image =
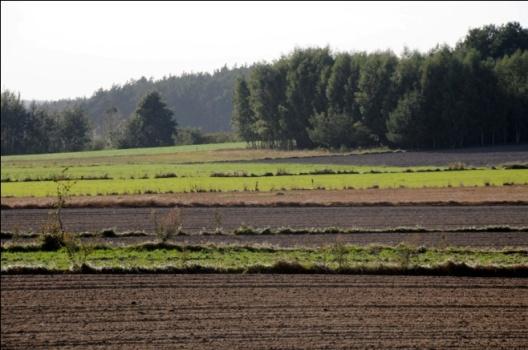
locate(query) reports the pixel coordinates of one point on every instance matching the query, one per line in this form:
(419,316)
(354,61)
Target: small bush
(77,251)
(456,166)
(51,242)
(167,225)
(282,172)
(108,233)
(516,166)
(165,175)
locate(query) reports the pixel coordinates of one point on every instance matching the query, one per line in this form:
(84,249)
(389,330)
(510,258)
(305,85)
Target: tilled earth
(230,218)
(262,312)
(480,156)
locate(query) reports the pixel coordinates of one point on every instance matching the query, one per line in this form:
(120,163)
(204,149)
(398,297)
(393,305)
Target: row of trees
(35,130)
(474,94)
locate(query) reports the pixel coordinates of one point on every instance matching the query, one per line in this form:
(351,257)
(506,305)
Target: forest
(473,94)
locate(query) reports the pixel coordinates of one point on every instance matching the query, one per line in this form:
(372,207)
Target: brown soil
(262,312)
(401,196)
(197,219)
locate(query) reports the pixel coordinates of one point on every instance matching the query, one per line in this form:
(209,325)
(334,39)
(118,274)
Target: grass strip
(249,230)
(340,258)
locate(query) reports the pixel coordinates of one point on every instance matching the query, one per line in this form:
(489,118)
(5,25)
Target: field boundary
(287,267)
(163,204)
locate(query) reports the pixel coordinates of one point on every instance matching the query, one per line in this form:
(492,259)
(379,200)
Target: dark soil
(197,219)
(262,312)
(485,156)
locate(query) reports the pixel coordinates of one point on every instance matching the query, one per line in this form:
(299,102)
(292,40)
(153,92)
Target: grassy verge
(158,257)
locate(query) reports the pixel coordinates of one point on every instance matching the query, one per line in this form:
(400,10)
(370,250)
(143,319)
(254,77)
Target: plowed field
(196,219)
(262,312)
(485,156)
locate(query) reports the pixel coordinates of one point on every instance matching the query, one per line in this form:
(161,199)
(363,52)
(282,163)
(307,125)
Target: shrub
(456,166)
(167,225)
(76,251)
(165,175)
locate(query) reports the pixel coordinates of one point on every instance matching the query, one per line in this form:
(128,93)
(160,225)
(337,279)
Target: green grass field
(159,155)
(136,171)
(198,169)
(125,152)
(243,258)
(497,177)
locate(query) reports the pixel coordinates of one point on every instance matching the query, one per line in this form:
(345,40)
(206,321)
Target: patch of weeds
(76,251)
(456,166)
(165,175)
(516,166)
(168,224)
(339,252)
(218,221)
(108,233)
(6,235)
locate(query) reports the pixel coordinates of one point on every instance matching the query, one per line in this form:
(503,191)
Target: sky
(54,50)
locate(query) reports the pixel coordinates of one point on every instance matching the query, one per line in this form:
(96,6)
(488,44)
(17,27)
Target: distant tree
(266,100)
(376,96)
(404,127)
(44,129)
(190,136)
(74,130)
(496,41)
(243,118)
(13,118)
(512,74)
(307,76)
(339,130)
(151,126)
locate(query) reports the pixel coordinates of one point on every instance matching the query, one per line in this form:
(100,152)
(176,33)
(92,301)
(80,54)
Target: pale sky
(67,50)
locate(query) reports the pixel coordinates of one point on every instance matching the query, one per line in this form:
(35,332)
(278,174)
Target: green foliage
(167,225)
(496,41)
(472,95)
(35,130)
(336,131)
(403,125)
(74,130)
(242,258)
(152,125)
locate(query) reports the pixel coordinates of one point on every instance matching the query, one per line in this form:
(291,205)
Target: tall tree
(376,96)
(74,130)
(152,125)
(243,118)
(496,41)
(307,75)
(512,74)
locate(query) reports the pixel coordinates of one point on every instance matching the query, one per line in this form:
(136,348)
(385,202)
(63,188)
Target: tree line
(34,129)
(198,100)
(473,94)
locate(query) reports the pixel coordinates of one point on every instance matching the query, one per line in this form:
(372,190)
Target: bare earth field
(399,196)
(262,312)
(197,219)
(485,156)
